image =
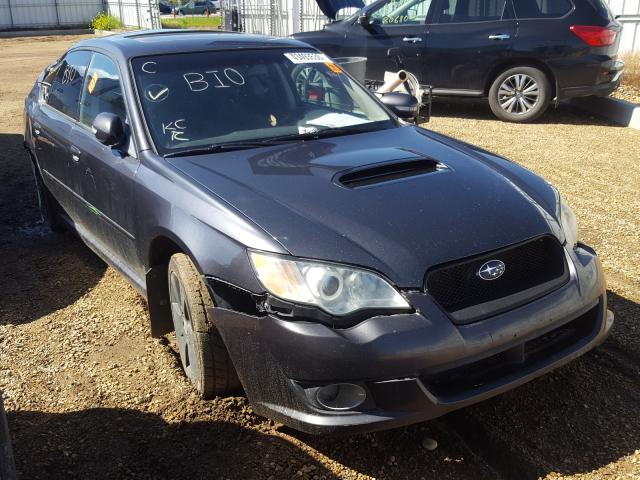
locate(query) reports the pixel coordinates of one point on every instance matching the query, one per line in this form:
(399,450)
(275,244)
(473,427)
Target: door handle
(499,36)
(75,153)
(412,39)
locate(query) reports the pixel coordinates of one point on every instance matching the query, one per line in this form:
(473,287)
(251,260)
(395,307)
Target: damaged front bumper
(411,367)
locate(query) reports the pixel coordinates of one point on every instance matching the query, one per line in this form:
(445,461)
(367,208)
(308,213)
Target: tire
(7,464)
(203,355)
(520,94)
(50,209)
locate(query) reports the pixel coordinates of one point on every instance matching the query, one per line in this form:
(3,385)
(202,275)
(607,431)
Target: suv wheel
(520,94)
(203,354)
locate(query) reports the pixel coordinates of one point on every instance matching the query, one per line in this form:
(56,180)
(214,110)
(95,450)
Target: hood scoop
(371,175)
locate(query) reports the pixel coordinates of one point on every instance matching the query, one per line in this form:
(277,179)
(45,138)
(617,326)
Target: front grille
(517,361)
(532,269)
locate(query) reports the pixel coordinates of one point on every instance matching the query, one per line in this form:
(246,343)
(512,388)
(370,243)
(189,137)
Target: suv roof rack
(149,33)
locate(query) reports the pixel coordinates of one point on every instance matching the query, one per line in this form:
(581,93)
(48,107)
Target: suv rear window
(541,8)
(463,11)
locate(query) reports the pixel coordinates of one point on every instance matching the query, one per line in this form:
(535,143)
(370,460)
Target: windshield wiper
(266,142)
(325,132)
(219,147)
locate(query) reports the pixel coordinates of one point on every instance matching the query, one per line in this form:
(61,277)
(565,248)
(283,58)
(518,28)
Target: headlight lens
(335,289)
(569,223)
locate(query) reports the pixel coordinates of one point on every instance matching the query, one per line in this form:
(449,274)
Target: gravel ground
(90,395)
(628,93)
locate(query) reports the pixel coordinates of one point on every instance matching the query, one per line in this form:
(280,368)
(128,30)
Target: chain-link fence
(283,17)
(628,13)
(54,14)
(135,13)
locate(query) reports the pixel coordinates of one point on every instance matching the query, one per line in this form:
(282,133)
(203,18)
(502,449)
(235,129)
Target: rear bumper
(413,367)
(607,79)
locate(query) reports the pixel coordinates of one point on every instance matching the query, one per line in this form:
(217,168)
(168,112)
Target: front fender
(180,215)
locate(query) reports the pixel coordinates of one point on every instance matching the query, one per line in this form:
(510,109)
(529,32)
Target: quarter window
(102,91)
(541,8)
(65,82)
(401,12)
(462,11)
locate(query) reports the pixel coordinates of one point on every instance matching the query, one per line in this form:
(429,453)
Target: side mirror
(363,20)
(403,105)
(109,129)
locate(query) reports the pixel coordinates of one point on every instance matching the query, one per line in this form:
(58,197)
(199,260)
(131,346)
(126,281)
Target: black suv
(521,54)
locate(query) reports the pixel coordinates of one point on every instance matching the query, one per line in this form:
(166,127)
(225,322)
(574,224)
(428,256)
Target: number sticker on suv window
(307,57)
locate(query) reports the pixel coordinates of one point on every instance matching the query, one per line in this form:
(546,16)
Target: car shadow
(110,443)
(41,271)
(574,420)
(478,109)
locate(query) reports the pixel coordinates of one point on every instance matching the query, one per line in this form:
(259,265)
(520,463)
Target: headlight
(335,289)
(568,223)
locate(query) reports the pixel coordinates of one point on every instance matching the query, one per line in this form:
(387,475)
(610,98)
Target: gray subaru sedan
(349,270)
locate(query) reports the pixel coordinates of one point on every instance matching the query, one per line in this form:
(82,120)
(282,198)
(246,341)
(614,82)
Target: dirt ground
(91,396)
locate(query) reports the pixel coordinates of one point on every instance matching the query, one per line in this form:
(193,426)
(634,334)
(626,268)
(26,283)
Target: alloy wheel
(185,335)
(518,94)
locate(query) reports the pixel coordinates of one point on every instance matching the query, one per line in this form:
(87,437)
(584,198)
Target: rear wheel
(7,465)
(520,94)
(203,354)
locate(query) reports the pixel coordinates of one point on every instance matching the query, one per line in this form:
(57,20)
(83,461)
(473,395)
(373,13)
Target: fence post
(55,5)
(120,10)
(273,5)
(138,13)
(296,24)
(10,13)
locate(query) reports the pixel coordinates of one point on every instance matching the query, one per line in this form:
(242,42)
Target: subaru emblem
(491,270)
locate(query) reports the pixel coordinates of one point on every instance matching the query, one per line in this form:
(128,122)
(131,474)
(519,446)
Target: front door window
(102,91)
(401,12)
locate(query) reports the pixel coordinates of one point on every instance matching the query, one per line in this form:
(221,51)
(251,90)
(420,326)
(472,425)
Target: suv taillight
(594,36)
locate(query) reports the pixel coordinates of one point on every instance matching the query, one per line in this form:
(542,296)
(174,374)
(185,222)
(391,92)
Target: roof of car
(154,42)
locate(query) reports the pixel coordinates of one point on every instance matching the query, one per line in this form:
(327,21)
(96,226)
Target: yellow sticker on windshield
(333,67)
(273,121)
(92,83)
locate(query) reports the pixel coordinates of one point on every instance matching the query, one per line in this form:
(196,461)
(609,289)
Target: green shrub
(213,21)
(104,21)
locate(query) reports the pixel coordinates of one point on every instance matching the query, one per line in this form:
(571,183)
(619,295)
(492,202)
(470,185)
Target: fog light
(609,320)
(341,396)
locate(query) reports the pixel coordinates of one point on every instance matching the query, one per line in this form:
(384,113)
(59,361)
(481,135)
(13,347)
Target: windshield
(198,100)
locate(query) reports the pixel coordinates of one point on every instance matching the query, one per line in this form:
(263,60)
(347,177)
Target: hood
(331,7)
(429,199)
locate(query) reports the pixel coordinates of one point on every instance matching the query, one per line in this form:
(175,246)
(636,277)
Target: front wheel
(203,354)
(520,94)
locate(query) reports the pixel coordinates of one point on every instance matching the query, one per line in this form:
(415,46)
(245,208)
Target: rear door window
(542,8)
(464,11)
(65,83)
(102,91)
